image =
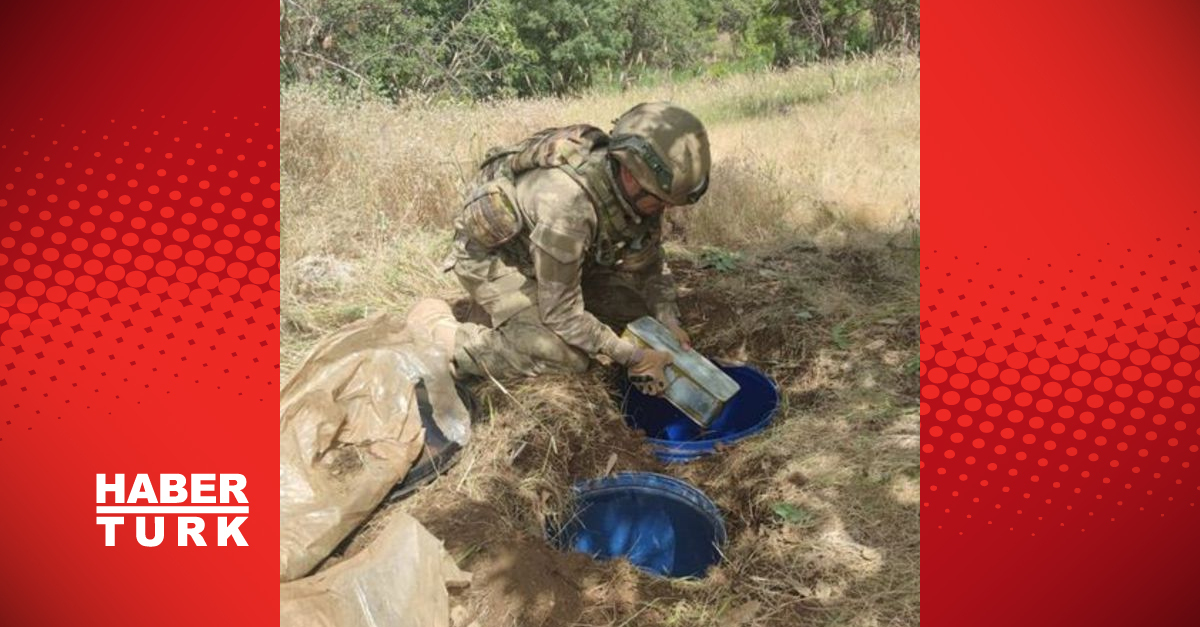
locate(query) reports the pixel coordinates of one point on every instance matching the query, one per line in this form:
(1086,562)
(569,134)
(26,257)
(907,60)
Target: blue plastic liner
(676,438)
(661,524)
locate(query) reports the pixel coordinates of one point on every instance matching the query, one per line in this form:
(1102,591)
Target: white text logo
(210,494)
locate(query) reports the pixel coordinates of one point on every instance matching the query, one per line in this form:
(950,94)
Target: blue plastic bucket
(676,438)
(661,524)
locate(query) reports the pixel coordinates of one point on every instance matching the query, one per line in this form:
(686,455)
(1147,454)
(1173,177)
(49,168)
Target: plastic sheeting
(398,580)
(349,430)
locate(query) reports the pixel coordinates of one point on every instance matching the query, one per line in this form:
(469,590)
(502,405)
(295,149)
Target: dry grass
(816,187)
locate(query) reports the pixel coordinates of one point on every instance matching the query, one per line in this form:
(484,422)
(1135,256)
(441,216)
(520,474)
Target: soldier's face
(642,200)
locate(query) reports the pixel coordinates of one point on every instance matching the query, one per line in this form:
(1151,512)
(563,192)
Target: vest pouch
(491,217)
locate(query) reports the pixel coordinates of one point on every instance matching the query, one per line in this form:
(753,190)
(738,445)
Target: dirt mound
(821,517)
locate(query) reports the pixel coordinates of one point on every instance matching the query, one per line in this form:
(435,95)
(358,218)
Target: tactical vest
(493,217)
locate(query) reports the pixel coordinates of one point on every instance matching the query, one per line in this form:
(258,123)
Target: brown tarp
(349,430)
(398,580)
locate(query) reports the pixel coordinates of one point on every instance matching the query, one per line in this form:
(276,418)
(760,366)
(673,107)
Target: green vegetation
(719,259)
(793,515)
(482,49)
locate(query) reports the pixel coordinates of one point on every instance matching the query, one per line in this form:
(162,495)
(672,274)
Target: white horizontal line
(172,509)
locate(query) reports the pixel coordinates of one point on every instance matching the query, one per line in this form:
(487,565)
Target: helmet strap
(641,194)
(647,155)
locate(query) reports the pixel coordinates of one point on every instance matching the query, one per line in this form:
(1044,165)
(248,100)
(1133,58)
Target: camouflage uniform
(585,260)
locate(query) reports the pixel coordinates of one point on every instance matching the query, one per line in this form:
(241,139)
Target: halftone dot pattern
(125,273)
(1061,398)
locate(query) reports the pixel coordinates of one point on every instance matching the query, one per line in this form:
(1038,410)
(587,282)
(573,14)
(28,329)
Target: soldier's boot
(431,320)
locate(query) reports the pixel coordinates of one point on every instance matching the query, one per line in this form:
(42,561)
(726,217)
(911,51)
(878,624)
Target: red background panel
(139,276)
(1060,338)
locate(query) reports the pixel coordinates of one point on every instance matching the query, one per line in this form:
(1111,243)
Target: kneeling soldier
(562,237)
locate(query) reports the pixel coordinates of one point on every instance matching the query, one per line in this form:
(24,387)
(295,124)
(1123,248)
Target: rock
(322,273)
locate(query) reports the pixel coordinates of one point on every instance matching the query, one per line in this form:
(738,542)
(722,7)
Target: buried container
(660,524)
(677,438)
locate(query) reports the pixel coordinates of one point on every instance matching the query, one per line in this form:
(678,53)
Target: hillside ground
(802,260)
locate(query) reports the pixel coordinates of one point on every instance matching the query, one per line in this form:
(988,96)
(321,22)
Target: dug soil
(821,520)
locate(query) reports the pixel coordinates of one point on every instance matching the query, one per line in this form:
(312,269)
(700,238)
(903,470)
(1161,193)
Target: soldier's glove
(646,371)
(676,329)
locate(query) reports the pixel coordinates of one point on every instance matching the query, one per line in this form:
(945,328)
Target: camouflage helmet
(665,148)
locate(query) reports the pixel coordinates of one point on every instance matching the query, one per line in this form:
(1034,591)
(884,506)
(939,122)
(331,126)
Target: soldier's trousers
(520,345)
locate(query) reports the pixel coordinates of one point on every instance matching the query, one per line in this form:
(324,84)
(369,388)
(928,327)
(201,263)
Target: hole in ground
(662,525)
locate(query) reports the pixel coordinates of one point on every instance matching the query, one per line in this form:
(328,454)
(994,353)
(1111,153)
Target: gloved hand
(676,329)
(646,371)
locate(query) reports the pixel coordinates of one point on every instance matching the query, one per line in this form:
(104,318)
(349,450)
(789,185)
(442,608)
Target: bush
(482,49)
(572,40)
(835,28)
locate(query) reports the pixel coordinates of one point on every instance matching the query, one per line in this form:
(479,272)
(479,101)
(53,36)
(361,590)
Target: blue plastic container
(661,524)
(677,438)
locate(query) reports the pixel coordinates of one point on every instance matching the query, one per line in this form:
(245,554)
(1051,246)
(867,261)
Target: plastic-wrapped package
(349,430)
(398,580)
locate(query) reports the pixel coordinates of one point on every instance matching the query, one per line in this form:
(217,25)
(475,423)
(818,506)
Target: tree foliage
(502,48)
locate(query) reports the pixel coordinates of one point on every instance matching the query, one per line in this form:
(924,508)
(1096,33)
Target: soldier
(562,237)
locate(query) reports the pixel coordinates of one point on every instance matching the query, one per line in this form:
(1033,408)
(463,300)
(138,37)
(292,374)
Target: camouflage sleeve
(558,264)
(658,286)
(565,224)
